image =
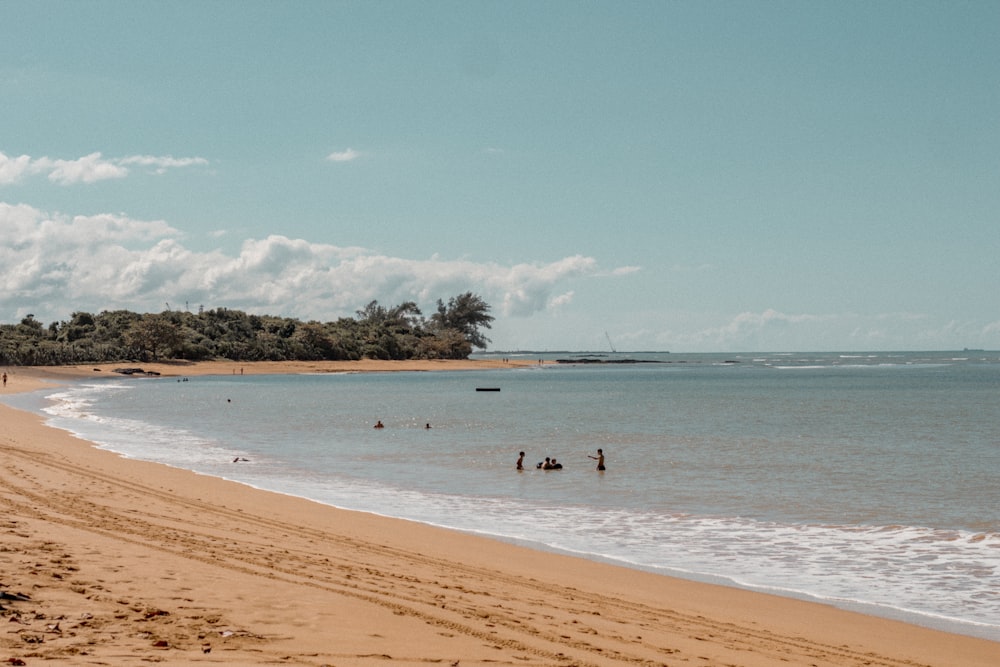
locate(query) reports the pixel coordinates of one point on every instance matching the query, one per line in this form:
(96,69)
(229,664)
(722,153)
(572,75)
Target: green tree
(152,334)
(389,333)
(404,316)
(466,314)
(112,325)
(447,344)
(31,327)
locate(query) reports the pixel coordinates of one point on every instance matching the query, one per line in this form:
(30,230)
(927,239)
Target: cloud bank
(87,169)
(57,264)
(771,330)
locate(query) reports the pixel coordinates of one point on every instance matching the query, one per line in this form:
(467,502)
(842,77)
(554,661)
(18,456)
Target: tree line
(376,332)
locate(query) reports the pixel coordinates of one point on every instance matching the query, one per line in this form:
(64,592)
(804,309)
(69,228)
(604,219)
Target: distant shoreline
(197,368)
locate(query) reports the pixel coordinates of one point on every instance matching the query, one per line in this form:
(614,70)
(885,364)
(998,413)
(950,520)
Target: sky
(682,176)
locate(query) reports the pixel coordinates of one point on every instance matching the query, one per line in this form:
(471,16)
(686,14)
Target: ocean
(869,481)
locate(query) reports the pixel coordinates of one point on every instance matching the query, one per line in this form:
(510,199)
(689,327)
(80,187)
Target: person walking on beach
(599,458)
(5,379)
(520,461)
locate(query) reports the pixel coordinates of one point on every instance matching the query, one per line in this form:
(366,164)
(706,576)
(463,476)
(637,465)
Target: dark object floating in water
(487,388)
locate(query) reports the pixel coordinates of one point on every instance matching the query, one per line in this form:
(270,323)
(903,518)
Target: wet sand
(105,560)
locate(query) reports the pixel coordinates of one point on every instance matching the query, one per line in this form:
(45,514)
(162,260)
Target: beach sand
(110,561)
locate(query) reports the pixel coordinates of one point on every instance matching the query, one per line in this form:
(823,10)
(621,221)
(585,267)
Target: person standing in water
(520,461)
(599,458)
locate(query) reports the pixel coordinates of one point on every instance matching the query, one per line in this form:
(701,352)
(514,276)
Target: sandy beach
(109,561)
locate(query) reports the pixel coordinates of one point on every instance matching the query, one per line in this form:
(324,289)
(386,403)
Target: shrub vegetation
(376,332)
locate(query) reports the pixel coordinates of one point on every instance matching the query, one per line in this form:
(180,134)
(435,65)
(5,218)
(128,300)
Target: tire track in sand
(444,593)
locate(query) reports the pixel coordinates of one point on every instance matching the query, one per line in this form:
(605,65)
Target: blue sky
(685,176)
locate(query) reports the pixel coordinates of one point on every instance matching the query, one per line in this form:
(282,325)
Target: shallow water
(871,481)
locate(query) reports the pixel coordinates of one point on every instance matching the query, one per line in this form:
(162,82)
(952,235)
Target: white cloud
(526,287)
(625,270)
(87,169)
(561,300)
(56,264)
(162,163)
(343,156)
(11,169)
